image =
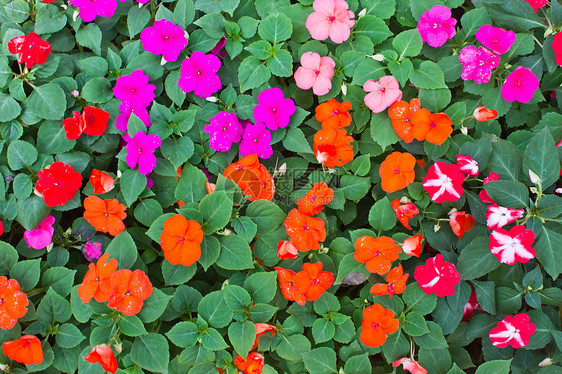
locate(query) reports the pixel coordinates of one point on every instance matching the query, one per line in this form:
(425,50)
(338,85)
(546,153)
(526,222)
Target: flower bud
(344,89)
(534,177)
(362,13)
(118,347)
(75,15)
(212,99)
(377,57)
(546,362)
(163,61)
(75,93)
(464,130)
(436,228)
(283,169)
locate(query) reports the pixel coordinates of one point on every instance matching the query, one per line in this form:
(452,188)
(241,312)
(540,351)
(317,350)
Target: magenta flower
(436,26)
(495,38)
(330,19)
(92,251)
(199,74)
(223,129)
(256,139)
(316,72)
(127,108)
(217,49)
(90,9)
(512,246)
(136,94)
(382,93)
(41,236)
(273,109)
(520,85)
(437,276)
(478,64)
(513,331)
(140,149)
(164,38)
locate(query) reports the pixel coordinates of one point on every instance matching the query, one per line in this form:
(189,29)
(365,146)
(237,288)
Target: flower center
(255,140)
(335,112)
(375,325)
(315,281)
(382,90)
(181,239)
(128,292)
(313,198)
(56,184)
(435,25)
(316,72)
(432,124)
(106,214)
(378,253)
(331,19)
(274,110)
(396,171)
(518,82)
(306,227)
(133,90)
(198,72)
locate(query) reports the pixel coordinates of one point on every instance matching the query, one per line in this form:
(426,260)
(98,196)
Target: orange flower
(397,171)
(26,350)
(319,281)
(253,364)
(396,283)
(262,328)
(412,245)
(103,355)
(105,215)
(460,223)
(289,289)
(376,254)
(332,147)
(378,322)
(315,199)
(97,282)
(129,290)
(13,303)
(404,212)
(400,114)
(181,240)
(101,181)
(435,128)
(305,232)
(334,115)
(252,177)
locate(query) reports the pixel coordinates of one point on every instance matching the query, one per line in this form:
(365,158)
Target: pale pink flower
(520,85)
(41,236)
(199,74)
(478,64)
(515,331)
(495,38)
(436,26)
(382,93)
(467,165)
(412,366)
(498,216)
(164,38)
(330,19)
(316,72)
(223,129)
(512,246)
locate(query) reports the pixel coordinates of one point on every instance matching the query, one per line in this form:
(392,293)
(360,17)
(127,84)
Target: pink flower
(316,72)
(41,236)
(127,108)
(495,38)
(512,246)
(90,9)
(330,19)
(286,250)
(273,109)
(483,194)
(217,49)
(468,166)
(136,94)
(223,129)
(482,114)
(470,307)
(92,251)
(536,4)
(140,149)
(436,26)
(256,139)
(513,331)
(520,85)
(412,245)
(437,276)
(498,216)
(199,74)
(382,93)
(444,182)
(164,38)
(412,366)
(478,64)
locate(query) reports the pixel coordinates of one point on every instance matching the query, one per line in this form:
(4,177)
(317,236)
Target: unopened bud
(404,200)
(452,211)
(75,15)
(464,130)
(212,99)
(558,190)
(163,61)
(436,228)
(118,347)
(224,284)
(140,5)
(344,89)
(377,57)
(4,367)
(548,32)
(534,177)
(227,232)
(119,173)
(546,362)
(49,247)
(283,169)
(75,93)
(362,13)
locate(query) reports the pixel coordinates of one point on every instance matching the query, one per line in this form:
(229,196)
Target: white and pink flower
(513,331)
(437,276)
(467,165)
(498,216)
(444,182)
(512,246)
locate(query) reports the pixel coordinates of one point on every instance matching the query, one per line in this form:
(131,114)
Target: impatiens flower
(437,276)
(330,19)
(305,232)
(436,26)
(256,139)
(470,307)
(468,166)
(199,74)
(58,183)
(482,114)
(262,328)
(286,250)
(102,182)
(1,228)
(319,280)
(512,246)
(382,93)
(289,289)
(252,177)
(315,199)
(217,49)
(376,254)
(92,121)
(557,48)
(432,127)
(31,48)
(396,283)
(136,94)
(90,9)
(273,109)
(397,171)
(483,194)
(378,323)
(26,350)
(333,147)
(537,4)
(495,38)
(315,72)
(513,331)
(105,215)
(478,64)
(333,115)
(400,113)
(404,212)
(520,85)
(129,289)
(41,236)
(181,240)
(164,38)
(91,250)
(96,282)
(140,149)
(223,129)
(14,303)
(498,216)
(253,364)
(412,366)
(412,245)
(128,108)
(103,355)
(444,182)
(461,222)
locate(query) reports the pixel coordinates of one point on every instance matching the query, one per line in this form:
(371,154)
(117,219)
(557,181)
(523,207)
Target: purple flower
(273,109)
(256,139)
(149,182)
(41,236)
(92,251)
(199,74)
(478,64)
(217,49)
(495,38)
(520,85)
(164,38)
(135,88)
(436,26)
(127,108)
(223,129)
(141,149)
(90,9)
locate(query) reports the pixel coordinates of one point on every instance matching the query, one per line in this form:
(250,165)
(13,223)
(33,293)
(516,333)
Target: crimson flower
(483,194)
(58,183)
(444,182)
(513,331)
(404,212)
(512,246)
(92,121)
(461,223)
(470,307)
(103,355)
(31,48)
(437,276)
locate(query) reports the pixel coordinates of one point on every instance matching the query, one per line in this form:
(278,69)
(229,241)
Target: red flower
(404,212)
(31,48)
(305,232)
(289,289)
(58,183)
(498,216)
(536,4)
(1,228)
(315,199)
(513,331)
(396,283)
(412,366)
(13,303)
(92,121)
(253,364)
(319,281)
(483,194)
(412,246)
(557,47)
(129,290)
(437,276)
(378,323)
(468,165)
(470,307)
(461,223)
(262,328)
(482,114)
(26,350)
(103,355)
(512,246)
(102,182)
(286,250)
(444,182)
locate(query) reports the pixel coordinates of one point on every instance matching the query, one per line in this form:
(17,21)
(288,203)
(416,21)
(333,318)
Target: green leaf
(266,215)
(261,286)
(496,367)
(61,279)
(381,216)
(349,265)
(183,334)
(323,330)
(415,325)
(184,13)
(27,273)
(476,259)
(408,43)
(492,98)
(242,336)
(50,19)
(252,73)
(508,300)
(479,149)
(382,131)
(505,160)
(538,157)
(96,66)
(235,253)
(21,154)
(367,69)
(192,184)
(429,75)
(89,36)
(97,90)
(137,19)
(8,258)
(51,138)
(486,295)
(396,345)
(435,100)
(245,227)
(123,249)
(281,64)
(292,347)
(359,364)
(473,19)
(177,150)
(151,352)
(373,27)
(213,309)
(31,212)
(9,108)
(516,15)
(69,336)
(353,187)
(434,339)
(381,8)
(136,184)
(549,251)
(320,361)
(275,28)
(435,360)
(509,194)
(53,307)
(177,274)
(418,301)
(47,101)
(212,340)
(216,209)
(236,298)
(131,326)
(295,141)
(147,210)
(154,306)
(551,296)
(210,250)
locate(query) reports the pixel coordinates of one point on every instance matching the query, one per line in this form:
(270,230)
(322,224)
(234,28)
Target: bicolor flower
(498,216)
(482,114)
(468,166)
(412,245)
(437,276)
(444,182)
(460,222)
(483,194)
(513,331)
(512,246)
